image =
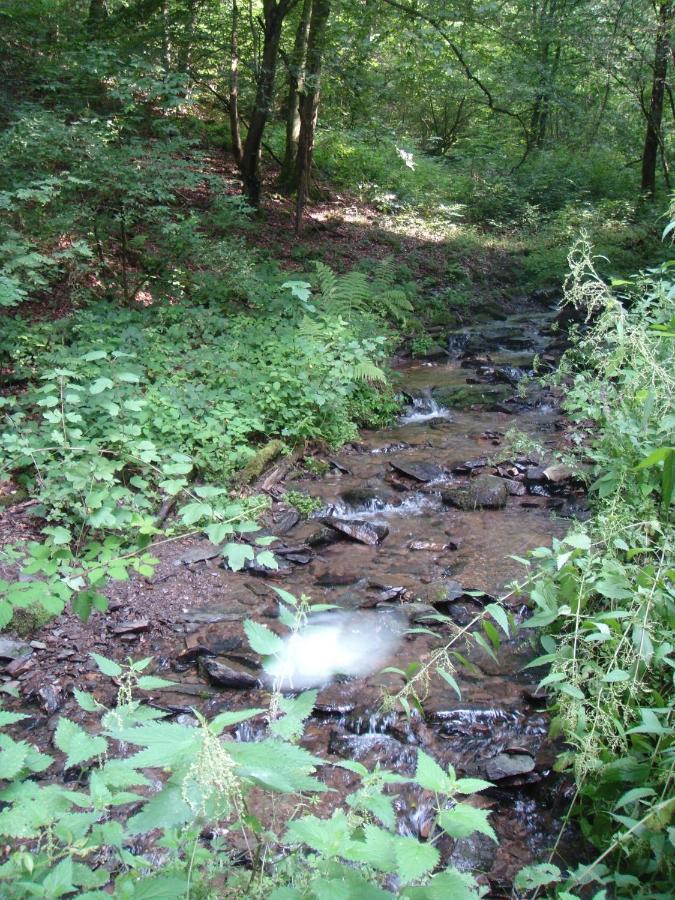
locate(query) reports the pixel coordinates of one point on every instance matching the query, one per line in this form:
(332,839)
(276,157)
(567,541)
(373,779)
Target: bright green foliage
(205,780)
(604,595)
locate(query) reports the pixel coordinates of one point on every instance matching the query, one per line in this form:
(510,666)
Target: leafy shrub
(604,596)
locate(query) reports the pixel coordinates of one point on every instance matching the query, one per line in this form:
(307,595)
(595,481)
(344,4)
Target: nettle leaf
(471,785)
(448,885)
(108,666)
(431,776)
(262,639)
(60,880)
(277,765)
(414,859)
(78,745)
(330,837)
(152,683)
(86,701)
(237,555)
(296,709)
(532,877)
(226,719)
(9,718)
(500,616)
(463,820)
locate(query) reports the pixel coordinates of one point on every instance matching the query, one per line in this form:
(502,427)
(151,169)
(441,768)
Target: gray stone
(558,473)
(10,649)
(199,553)
(508,765)
(228,675)
(363,532)
(419,471)
(483,492)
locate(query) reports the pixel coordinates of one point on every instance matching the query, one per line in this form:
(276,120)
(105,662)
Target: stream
(414,520)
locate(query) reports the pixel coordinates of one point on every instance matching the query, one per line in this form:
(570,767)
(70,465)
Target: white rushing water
(336,643)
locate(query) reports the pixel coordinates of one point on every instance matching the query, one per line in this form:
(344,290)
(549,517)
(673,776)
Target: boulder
(419,471)
(357,530)
(483,492)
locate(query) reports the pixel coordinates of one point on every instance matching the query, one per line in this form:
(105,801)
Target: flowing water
(421,557)
(433,555)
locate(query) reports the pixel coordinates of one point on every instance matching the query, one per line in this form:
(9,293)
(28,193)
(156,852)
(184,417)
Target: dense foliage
(150,357)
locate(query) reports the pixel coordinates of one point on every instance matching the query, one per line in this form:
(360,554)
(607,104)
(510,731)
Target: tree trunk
(296,78)
(187,40)
(235,133)
(98,13)
(274,12)
(309,105)
(166,37)
(653,136)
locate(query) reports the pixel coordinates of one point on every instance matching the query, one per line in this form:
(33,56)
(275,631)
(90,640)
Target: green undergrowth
(154,808)
(127,409)
(604,597)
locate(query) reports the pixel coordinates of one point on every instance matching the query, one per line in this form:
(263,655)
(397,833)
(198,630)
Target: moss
(29,619)
(256,466)
(483,395)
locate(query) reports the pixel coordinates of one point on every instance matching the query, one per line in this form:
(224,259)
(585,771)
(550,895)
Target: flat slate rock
(357,530)
(419,471)
(199,553)
(10,649)
(227,675)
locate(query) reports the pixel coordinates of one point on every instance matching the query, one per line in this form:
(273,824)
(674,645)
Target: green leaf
(262,639)
(579,541)
(296,710)
(414,859)
(86,701)
(471,785)
(74,741)
(431,776)
(499,615)
(267,559)
(9,718)
(100,385)
(108,666)
(463,820)
(532,877)
(219,531)
(195,512)
(152,683)
(60,879)
(237,555)
(330,837)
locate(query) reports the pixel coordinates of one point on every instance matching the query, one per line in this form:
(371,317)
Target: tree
(654,115)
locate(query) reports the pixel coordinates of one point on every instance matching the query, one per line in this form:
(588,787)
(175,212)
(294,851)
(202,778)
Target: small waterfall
(423,408)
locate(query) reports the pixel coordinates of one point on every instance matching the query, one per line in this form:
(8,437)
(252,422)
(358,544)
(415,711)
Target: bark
(274,12)
(653,135)
(166,37)
(309,106)
(187,41)
(296,78)
(235,133)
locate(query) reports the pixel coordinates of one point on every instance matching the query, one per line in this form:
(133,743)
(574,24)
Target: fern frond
(365,370)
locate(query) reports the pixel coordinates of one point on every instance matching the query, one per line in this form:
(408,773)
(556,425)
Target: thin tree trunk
(296,78)
(653,136)
(166,37)
(274,12)
(235,132)
(309,106)
(185,55)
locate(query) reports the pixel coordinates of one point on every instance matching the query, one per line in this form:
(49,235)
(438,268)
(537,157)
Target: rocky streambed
(418,519)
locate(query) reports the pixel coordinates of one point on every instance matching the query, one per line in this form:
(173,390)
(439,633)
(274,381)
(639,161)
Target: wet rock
(300,559)
(365,498)
(515,488)
(219,611)
(337,579)
(38,645)
(292,550)
(419,471)
(314,534)
(131,627)
(357,530)
(206,647)
(431,546)
(199,553)
(484,492)
(575,510)
(228,675)
(284,521)
(420,613)
(467,467)
(50,697)
(443,591)
(20,665)
(509,765)
(253,567)
(534,474)
(536,695)
(558,473)
(336,464)
(11,649)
